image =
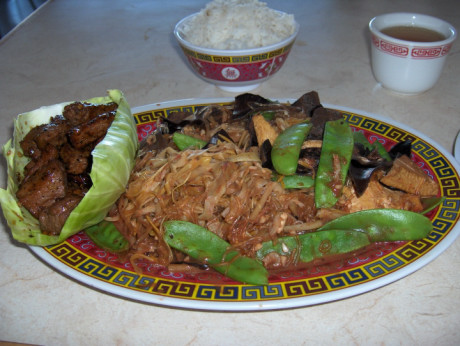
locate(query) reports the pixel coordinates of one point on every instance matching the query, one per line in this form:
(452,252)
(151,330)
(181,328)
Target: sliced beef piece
(76,161)
(77,113)
(53,218)
(79,184)
(29,146)
(53,133)
(48,154)
(320,116)
(92,131)
(43,188)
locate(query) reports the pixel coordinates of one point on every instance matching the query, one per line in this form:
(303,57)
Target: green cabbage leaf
(113,161)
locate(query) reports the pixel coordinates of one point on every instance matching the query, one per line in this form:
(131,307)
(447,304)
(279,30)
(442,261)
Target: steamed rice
(238,24)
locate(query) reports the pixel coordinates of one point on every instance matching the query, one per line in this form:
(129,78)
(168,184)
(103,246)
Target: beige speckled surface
(72,50)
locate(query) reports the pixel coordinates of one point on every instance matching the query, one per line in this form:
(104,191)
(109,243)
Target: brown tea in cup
(413,33)
(408,50)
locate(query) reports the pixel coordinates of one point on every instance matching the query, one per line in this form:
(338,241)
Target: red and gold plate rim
(79,258)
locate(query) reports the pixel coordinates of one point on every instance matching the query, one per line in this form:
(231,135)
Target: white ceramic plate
(457,148)
(80,259)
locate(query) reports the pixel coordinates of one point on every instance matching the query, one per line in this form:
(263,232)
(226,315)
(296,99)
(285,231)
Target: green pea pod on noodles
(334,162)
(384,224)
(113,160)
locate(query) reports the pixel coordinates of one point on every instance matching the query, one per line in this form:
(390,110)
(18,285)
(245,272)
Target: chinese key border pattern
(244,59)
(443,222)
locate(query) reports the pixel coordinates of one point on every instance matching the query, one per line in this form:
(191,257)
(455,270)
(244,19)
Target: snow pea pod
(333,163)
(294,181)
(309,247)
(384,224)
(107,236)
(286,148)
(184,141)
(205,246)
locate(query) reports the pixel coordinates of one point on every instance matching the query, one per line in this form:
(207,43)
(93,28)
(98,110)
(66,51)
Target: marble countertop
(73,50)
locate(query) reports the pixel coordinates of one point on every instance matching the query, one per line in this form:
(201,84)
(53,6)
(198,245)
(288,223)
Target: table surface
(74,50)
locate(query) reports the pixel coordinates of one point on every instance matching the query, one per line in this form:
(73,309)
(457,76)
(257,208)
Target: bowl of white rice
(236,44)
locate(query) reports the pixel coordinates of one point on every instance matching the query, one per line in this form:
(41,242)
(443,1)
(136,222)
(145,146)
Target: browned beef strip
(79,184)
(29,146)
(92,131)
(56,179)
(77,113)
(48,154)
(76,161)
(53,133)
(53,218)
(43,188)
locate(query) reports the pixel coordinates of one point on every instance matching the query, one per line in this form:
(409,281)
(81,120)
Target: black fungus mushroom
(247,102)
(365,162)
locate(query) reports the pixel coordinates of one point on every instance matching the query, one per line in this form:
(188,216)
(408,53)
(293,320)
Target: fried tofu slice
(378,196)
(263,130)
(406,176)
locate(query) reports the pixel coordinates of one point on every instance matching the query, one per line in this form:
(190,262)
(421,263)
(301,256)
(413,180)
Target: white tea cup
(406,63)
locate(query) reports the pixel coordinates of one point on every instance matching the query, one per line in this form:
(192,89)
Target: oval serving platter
(80,259)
